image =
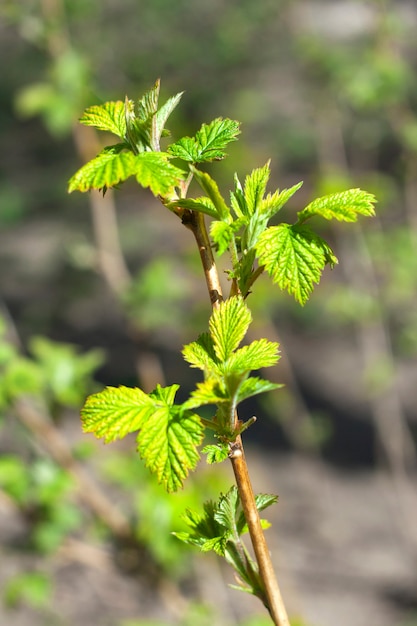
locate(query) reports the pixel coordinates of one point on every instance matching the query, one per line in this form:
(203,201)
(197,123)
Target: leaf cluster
(227,367)
(169,433)
(219,528)
(293,255)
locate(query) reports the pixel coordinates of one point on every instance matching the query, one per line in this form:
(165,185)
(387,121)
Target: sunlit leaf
(109,116)
(108,169)
(344,206)
(209,185)
(294,257)
(153,170)
(273,203)
(259,353)
(111,167)
(202,205)
(255,186)
(209,142)
(228,325)
(168,434)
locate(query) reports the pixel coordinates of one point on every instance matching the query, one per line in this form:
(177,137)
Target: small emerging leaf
(210,187)
(202,205)
(228,325)
(344,206)
(222,234)
(274,202)
(255,186)
(216,453)
(208,143)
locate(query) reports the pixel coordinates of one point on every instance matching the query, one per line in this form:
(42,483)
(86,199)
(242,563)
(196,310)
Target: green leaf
(344,206)
(227,507)
(255,186)
(115,412)
(206,533)
(208,143)
(108,169)
(154,171)
(223,233)
(112,167)
(201,353)
(274,202)
(216,453)
(260,353)
(263,501)
(109,116)
(163,114)
(253,386)
(168,434)
(208,392)
(202,205)
(294,257)
(209,185)
(237,199)
(168,442)
(228,325)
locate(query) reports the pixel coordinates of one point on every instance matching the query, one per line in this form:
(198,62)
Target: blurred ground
(338,541)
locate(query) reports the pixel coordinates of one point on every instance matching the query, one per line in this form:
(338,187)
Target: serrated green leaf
(227,507)
(147,105)
(216,453)
(164,112)
(344,206)
(255,186)
(209,185)
(259,353)
(154,171)
(201,353)
(115,412)
(253,386)
(237,199)
(208,143)
(108,169)
(111,167)
(202,205)
(168,434)
(228,325)
(207,392)
(294,257)
(168,444)
(206,533)
(222,234)
(262,501)
(109,116)
(274,202)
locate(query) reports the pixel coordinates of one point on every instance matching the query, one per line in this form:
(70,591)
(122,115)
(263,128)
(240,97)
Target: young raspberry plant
(294,256)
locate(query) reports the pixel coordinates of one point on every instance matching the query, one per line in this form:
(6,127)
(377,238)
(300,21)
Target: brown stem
(195,222)
(274,602)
